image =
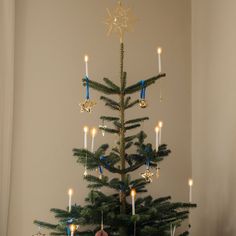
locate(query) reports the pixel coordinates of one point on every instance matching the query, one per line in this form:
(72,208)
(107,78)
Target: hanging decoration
(88,104)
(69,222)
(103,126)
(103,159)
(71,228)
(101,232)
(142,101)
(147,175)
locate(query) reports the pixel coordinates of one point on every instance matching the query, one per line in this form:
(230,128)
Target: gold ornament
(120,20)
(143,103)
(87,105)
(73,228)
(147,175)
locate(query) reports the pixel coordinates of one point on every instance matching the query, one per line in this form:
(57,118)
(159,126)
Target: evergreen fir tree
(153,216)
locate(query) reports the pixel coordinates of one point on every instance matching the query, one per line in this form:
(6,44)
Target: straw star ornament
(147,175)
(120,20)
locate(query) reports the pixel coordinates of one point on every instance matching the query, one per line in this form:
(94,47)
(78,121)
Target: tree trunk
(122,230)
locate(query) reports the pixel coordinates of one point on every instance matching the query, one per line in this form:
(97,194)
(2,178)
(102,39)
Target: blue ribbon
(148,150)
(87,87)
(68,230)
(70,221)
(143,89)
(99,167)
(100,170)
(148,162)
(103,159)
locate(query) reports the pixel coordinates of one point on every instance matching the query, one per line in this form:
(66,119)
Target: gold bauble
(143,103)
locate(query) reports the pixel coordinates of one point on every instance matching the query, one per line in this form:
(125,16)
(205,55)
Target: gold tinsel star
(120,20)
(87,105)
(147,175)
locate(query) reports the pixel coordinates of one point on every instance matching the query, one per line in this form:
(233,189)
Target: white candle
(94,131)
(157,137)
(102,225)
(70,193)
(86,58)
(159,51)
(190,183)
(133,194)
(173,234)
(85,136)
(160,124)
(72,229)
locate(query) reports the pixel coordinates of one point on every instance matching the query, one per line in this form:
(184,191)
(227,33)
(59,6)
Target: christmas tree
(120,213)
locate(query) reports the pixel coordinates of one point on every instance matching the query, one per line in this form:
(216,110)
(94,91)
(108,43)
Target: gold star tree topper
(120,20)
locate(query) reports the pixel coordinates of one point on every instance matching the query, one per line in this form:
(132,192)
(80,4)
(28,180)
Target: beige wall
(51,40)
(214,116)
(6,105)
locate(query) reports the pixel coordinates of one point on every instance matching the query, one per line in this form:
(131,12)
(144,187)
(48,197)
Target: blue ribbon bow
(103,159)
(68,230)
